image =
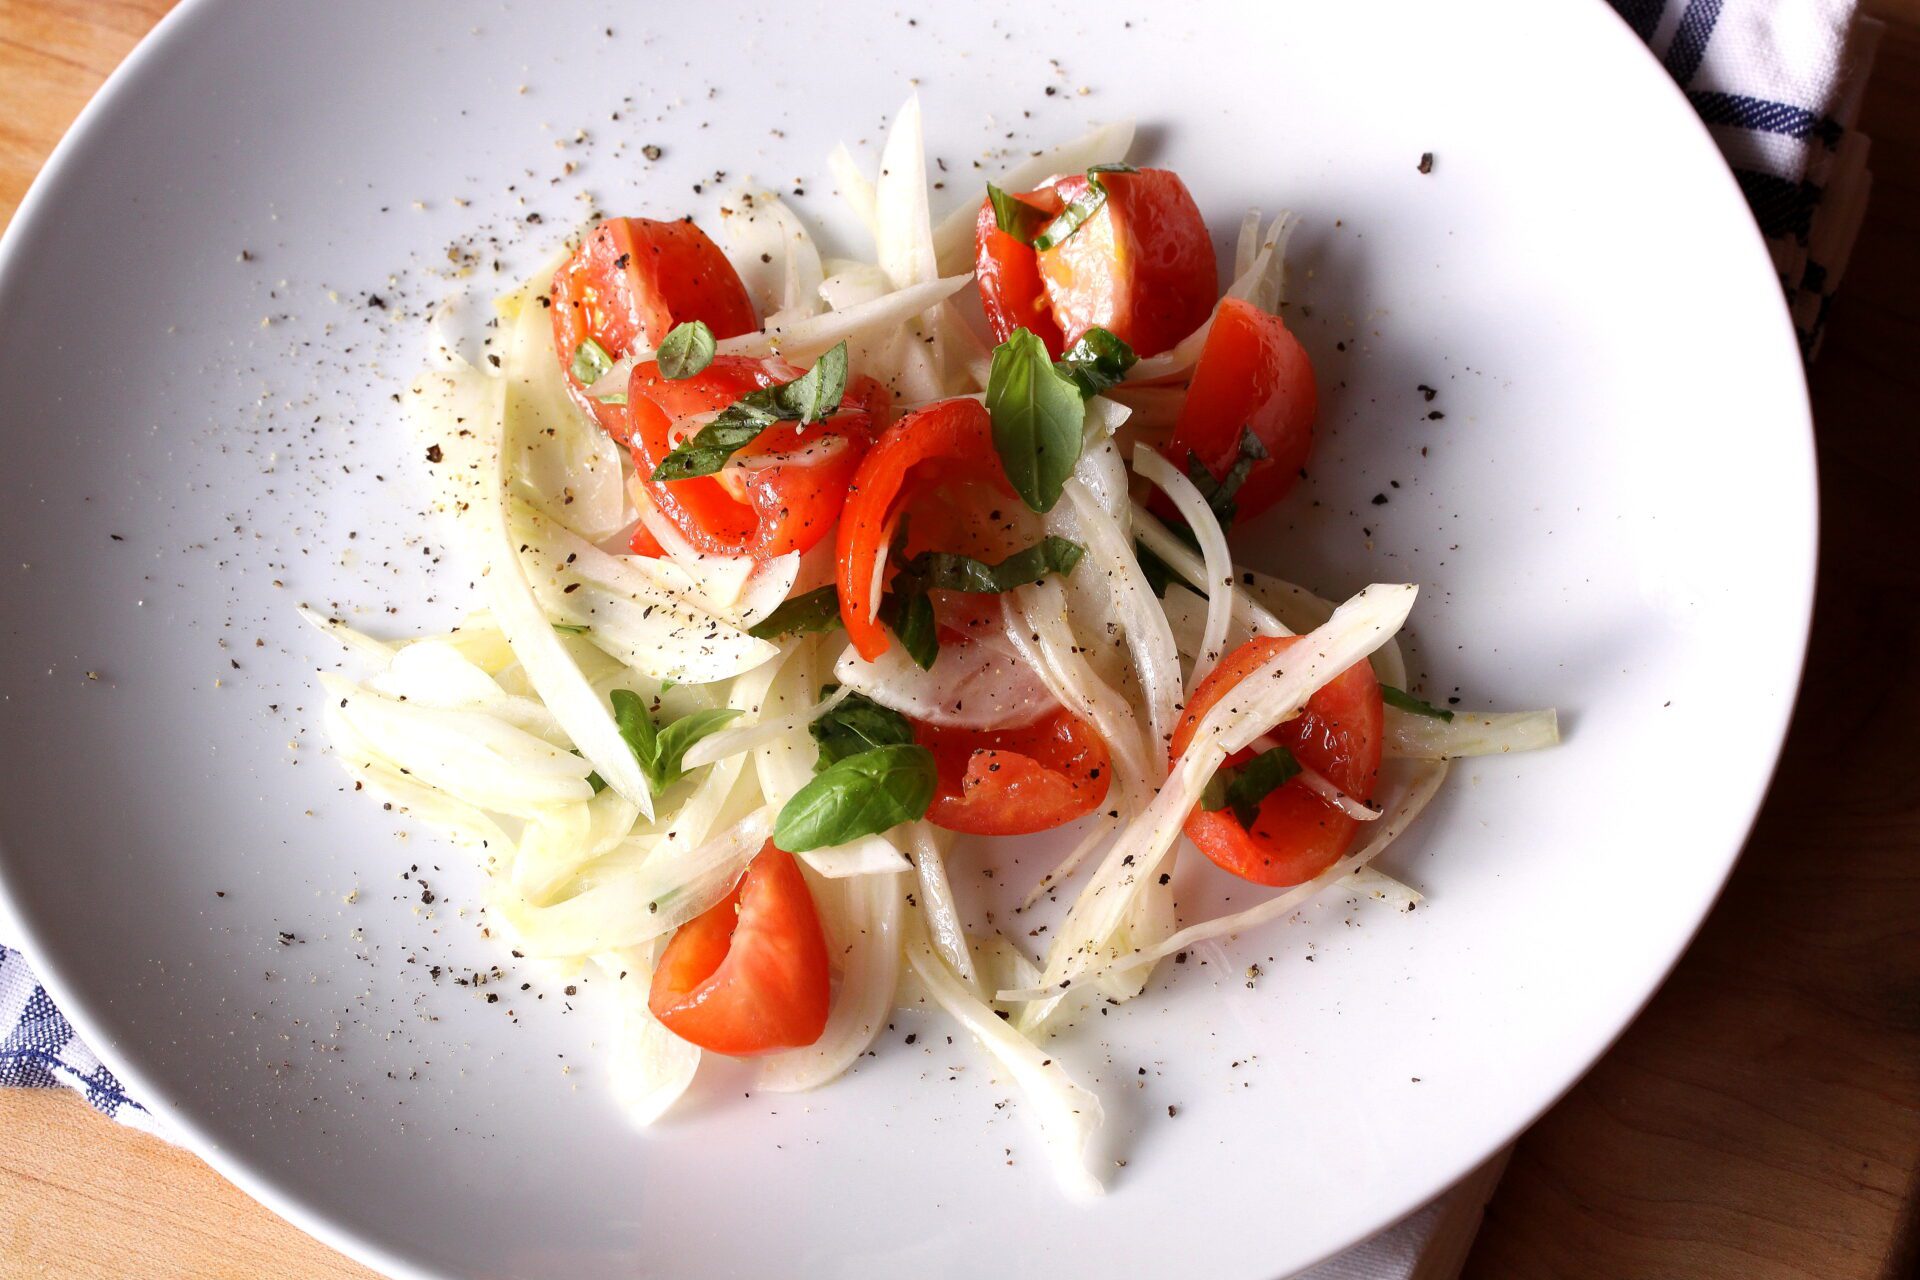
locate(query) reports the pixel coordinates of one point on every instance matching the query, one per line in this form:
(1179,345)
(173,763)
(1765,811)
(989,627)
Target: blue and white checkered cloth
(1779,84)
(39,1049)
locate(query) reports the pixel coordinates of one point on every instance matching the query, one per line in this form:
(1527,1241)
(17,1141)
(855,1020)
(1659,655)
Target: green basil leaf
(910,617)
(861,795)
(1038,417)
(1015,216)
(1072,218)
(738,426)
(1242,789)
(636,726)
(683,733)
(685,351)
(816,393)
(594,779)
(1096,362)
(1220,493)
(590,363)
(817,610)
(1075,215)
(950,571)
(570,628)
(813,395)
(1158,572)
(1407,702)
(858,724)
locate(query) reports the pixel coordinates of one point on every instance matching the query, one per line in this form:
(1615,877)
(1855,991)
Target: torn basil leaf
(1015,216)
(686,351)
(1038,418)
(857,724)
(817,610)
(1243,787)
(658,751)
(1220,493)
(1075,215)
(950,571)
(860,795)
(1407,702)
(910,617)
(590,363)
(1096,362)
(814,395)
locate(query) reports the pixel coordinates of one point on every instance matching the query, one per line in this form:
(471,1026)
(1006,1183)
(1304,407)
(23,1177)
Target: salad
(794,571)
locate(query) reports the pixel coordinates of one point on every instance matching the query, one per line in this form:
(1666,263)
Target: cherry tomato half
(749,976)
(1141,267)
(946,447)
(629,283)
(783,491)
(1296,835)
(1013,782)
(1007,274)
(1252,373)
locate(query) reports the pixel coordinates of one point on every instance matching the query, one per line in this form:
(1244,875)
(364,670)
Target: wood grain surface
(1760,1121)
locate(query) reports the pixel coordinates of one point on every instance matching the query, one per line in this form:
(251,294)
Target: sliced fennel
(1067,1113)
(1469,733)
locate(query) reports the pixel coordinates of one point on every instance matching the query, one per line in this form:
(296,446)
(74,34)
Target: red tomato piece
(1012,782)
(1141,267)
(1252,373)
(793,479)
(1007,273)
(1296,835)
(749,976)
(629,283)
(945,446)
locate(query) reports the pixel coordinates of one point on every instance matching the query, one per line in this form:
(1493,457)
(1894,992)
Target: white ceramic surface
(1614,516)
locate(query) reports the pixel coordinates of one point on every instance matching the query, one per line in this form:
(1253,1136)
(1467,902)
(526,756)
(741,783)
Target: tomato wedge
(749,976)
(630,281)
(1296,835)
(943,451)
(783,492)
(1007,273)
(1254,373)
(1141,267)
(1013,782)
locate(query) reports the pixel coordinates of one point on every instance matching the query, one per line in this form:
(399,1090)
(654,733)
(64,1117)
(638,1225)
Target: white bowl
(1615,516)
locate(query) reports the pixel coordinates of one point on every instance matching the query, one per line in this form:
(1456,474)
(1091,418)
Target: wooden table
(1761,1120)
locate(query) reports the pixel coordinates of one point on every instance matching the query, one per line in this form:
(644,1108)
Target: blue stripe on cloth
(1781,206)
(40,1049)
(1642,15)
(1762,116)
(1690,39)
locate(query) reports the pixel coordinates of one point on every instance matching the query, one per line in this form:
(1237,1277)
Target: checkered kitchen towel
(38,1048)
(1779,84)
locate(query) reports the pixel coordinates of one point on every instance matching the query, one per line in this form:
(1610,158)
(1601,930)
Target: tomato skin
(1013,782)
(629,283)
(749,975)
(1142,267)
(1252,372)
(782,507)
(1296,834)
(949,443)
(1007,273)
